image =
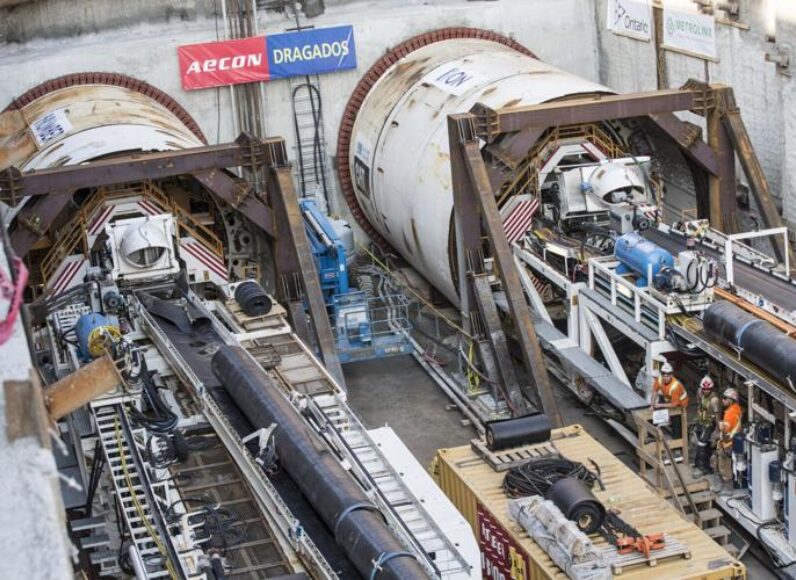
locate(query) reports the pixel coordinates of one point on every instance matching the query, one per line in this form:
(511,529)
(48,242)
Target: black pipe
(358,527)
(758,341)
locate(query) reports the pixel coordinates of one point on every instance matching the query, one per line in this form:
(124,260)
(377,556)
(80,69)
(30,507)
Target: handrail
(76,230)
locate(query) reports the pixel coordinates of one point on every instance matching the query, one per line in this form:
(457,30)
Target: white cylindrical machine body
(399,157)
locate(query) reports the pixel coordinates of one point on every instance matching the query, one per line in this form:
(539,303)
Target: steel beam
(735,129)
(498,344)
(136,167)
(238,194)
(475,190)
(578,111)
(293,255)
(34,219)
(689,137)
(722,186)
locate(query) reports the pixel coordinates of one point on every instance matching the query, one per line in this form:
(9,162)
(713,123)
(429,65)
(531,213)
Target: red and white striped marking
(148,207)
(213,262)
(66,276)
(518,220)
(100,221)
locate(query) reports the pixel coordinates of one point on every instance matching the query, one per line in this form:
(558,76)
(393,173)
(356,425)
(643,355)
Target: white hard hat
(667,368)
(731,394)
(706,383)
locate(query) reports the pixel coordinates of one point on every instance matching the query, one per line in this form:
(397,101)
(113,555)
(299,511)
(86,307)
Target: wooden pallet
(514,457)
(621,562)
(274,319)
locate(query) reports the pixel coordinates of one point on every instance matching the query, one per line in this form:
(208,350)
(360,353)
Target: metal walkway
(403,511)
(142,522)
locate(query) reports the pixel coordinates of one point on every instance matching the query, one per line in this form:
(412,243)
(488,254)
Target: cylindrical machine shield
(397,152)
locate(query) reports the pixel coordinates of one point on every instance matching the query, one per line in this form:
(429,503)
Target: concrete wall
(148,50)
(764,95)
(140,39)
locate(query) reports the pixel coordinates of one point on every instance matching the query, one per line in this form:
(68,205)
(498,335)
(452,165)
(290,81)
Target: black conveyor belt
(197,347)
(775,290)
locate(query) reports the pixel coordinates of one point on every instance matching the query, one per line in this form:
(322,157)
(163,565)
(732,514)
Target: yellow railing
(526,178)
(76,231)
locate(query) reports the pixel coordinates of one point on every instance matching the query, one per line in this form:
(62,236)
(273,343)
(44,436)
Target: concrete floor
(397,391)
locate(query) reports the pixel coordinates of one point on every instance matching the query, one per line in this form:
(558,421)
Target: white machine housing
(613,189)
(143,248)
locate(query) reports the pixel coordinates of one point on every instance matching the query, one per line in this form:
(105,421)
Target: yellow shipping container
(475,488)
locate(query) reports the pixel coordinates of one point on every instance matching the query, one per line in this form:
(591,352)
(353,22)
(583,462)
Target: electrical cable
(536,476)
(134,497)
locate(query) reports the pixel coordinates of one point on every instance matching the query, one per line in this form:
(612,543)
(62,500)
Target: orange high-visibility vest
(674,392)
(732,420)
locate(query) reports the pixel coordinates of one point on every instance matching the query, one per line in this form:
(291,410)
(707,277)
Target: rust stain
(489,91)
(511,103)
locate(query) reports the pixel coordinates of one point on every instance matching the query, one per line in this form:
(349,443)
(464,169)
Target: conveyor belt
(197,347)
(730,359)
(774,289)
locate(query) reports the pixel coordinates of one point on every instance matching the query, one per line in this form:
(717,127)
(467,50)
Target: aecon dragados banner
(265,58)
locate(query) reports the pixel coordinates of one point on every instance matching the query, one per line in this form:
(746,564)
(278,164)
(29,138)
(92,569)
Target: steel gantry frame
(266,197)
(478,225)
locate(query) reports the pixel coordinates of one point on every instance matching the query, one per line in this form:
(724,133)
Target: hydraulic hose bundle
(568,485)
(252,299)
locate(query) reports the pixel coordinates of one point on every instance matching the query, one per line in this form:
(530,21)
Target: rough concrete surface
(397,391)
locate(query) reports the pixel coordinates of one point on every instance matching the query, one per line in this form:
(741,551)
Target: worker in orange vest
(673,393)
(729,426)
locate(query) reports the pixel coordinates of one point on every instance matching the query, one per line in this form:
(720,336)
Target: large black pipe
(357,525)
(758,341)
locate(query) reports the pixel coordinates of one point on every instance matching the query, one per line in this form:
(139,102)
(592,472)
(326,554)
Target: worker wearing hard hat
(729,426)
(673,393)
(706,424)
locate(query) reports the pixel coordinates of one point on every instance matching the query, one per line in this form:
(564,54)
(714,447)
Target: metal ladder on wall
(132,498)
(402,509)
(312,168)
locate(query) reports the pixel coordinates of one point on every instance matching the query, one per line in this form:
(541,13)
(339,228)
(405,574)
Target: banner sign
(310,52)
(689,32)
(264,58)
(215,64)
(501,557)
(631,18)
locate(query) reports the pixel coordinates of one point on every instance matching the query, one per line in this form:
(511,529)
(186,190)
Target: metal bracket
(10,190)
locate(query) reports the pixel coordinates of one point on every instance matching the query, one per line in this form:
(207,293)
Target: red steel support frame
(716,158)
(281,220)
(477,216)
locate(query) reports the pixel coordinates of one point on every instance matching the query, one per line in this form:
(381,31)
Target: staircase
(672,477)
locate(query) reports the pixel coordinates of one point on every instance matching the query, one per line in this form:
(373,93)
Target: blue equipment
(640,256)
(95,332)
(362,331)
(327,249)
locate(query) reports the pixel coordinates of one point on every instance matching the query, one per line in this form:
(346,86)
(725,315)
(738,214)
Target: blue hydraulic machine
(365,326)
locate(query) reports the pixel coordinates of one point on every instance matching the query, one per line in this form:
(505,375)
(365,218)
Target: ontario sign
(631,18)
(266,58)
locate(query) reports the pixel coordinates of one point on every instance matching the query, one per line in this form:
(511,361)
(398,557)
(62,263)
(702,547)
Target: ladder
(130,487)
(312,170)
(403,511)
